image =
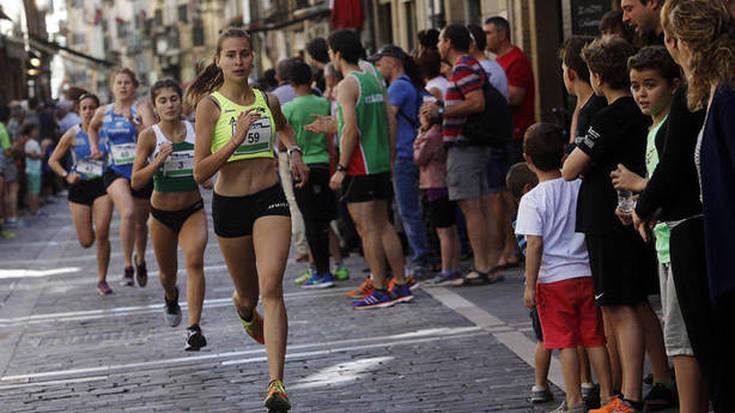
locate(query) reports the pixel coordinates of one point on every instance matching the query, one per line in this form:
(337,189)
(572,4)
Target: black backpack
(493,126)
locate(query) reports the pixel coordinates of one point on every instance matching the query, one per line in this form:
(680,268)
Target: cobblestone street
(65,348)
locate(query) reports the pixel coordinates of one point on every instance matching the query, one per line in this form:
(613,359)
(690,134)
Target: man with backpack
(475,117)
(404,100)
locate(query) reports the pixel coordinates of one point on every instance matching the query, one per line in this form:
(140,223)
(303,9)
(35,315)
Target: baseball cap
(389,50)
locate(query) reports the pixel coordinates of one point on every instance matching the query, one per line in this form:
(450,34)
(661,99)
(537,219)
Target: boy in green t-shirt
(654,78)
(316,201)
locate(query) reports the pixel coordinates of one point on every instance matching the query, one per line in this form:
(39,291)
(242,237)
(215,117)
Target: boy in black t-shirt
(577,82)
(623,266)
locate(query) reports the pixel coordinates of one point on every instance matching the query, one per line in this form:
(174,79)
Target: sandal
(476,277)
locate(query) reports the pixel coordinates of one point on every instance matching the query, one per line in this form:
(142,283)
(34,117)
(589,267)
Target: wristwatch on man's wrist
(295,148)
(341,168)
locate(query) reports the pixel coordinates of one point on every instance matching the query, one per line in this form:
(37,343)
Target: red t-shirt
(520,74)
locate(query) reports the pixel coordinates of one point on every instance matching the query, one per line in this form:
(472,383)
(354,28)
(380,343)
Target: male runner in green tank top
(367,146)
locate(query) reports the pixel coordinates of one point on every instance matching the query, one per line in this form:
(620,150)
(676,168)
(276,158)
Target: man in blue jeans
(404,99)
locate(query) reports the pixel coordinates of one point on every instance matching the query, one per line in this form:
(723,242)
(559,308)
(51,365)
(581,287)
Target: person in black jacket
(701,37)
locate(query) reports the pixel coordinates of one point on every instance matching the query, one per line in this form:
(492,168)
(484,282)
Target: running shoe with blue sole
(318,281)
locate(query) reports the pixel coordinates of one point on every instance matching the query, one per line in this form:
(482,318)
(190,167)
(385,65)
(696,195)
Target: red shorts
(569,316)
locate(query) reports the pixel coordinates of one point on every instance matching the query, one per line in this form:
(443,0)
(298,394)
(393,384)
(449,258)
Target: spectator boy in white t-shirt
(558,276)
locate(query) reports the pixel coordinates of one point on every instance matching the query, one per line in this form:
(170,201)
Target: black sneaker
(591,396)
(141,272)
(195,340)
(172,310)
(660,397)
(128,279)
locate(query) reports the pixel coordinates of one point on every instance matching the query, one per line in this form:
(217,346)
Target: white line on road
(145,309)
(21,273)
(341,373)
(307,354)
(382,341)
(516,341)
(54,382)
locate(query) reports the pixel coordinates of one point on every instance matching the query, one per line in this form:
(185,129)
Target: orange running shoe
(366,288)
(613,406)
(276,399)
(254,327)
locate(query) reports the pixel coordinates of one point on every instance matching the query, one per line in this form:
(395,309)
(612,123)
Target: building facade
(173,38)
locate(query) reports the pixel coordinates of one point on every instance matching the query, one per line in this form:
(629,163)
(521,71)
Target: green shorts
(34,183)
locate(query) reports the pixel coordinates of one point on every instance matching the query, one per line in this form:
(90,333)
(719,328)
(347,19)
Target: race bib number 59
(258,138)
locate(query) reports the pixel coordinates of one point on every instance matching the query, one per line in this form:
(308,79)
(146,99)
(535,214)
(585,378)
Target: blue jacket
(717,159)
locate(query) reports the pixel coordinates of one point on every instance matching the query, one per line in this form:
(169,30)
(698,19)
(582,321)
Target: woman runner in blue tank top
(115,126)
(91,207)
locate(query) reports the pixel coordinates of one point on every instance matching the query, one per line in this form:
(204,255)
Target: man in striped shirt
(467,162)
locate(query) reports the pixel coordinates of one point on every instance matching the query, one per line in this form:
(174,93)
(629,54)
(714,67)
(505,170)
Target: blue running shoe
(377,299)
(319,281)
(401,293)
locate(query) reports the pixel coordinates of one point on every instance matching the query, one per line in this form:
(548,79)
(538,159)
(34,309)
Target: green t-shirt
(4,138)
(661,230)
(299,113)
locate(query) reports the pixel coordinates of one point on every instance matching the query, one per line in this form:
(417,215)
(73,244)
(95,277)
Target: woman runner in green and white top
(165,153)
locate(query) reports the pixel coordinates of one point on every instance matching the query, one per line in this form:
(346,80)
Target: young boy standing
(558,280)
(623,266)
(576,77)
(30,134)
(654,79)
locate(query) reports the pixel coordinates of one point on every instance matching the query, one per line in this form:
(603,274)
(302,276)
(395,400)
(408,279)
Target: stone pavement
(65,348)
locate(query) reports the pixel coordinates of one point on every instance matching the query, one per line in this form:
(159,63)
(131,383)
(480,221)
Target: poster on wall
(586,16)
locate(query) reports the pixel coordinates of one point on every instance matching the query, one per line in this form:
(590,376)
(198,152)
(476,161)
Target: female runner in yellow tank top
(236,127)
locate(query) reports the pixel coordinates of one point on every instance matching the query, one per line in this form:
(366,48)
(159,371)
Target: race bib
(89,168)
(179,164)
(258,138)
(123,154)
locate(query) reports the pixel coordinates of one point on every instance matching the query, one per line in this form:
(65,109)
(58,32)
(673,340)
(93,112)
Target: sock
(634,404)
(194,327)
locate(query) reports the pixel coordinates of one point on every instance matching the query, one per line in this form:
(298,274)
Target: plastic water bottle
(626,201)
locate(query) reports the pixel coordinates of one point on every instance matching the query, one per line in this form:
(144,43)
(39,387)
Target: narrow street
(65,348)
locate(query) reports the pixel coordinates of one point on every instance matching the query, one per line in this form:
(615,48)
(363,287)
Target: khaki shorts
(676,338)
(467,172)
